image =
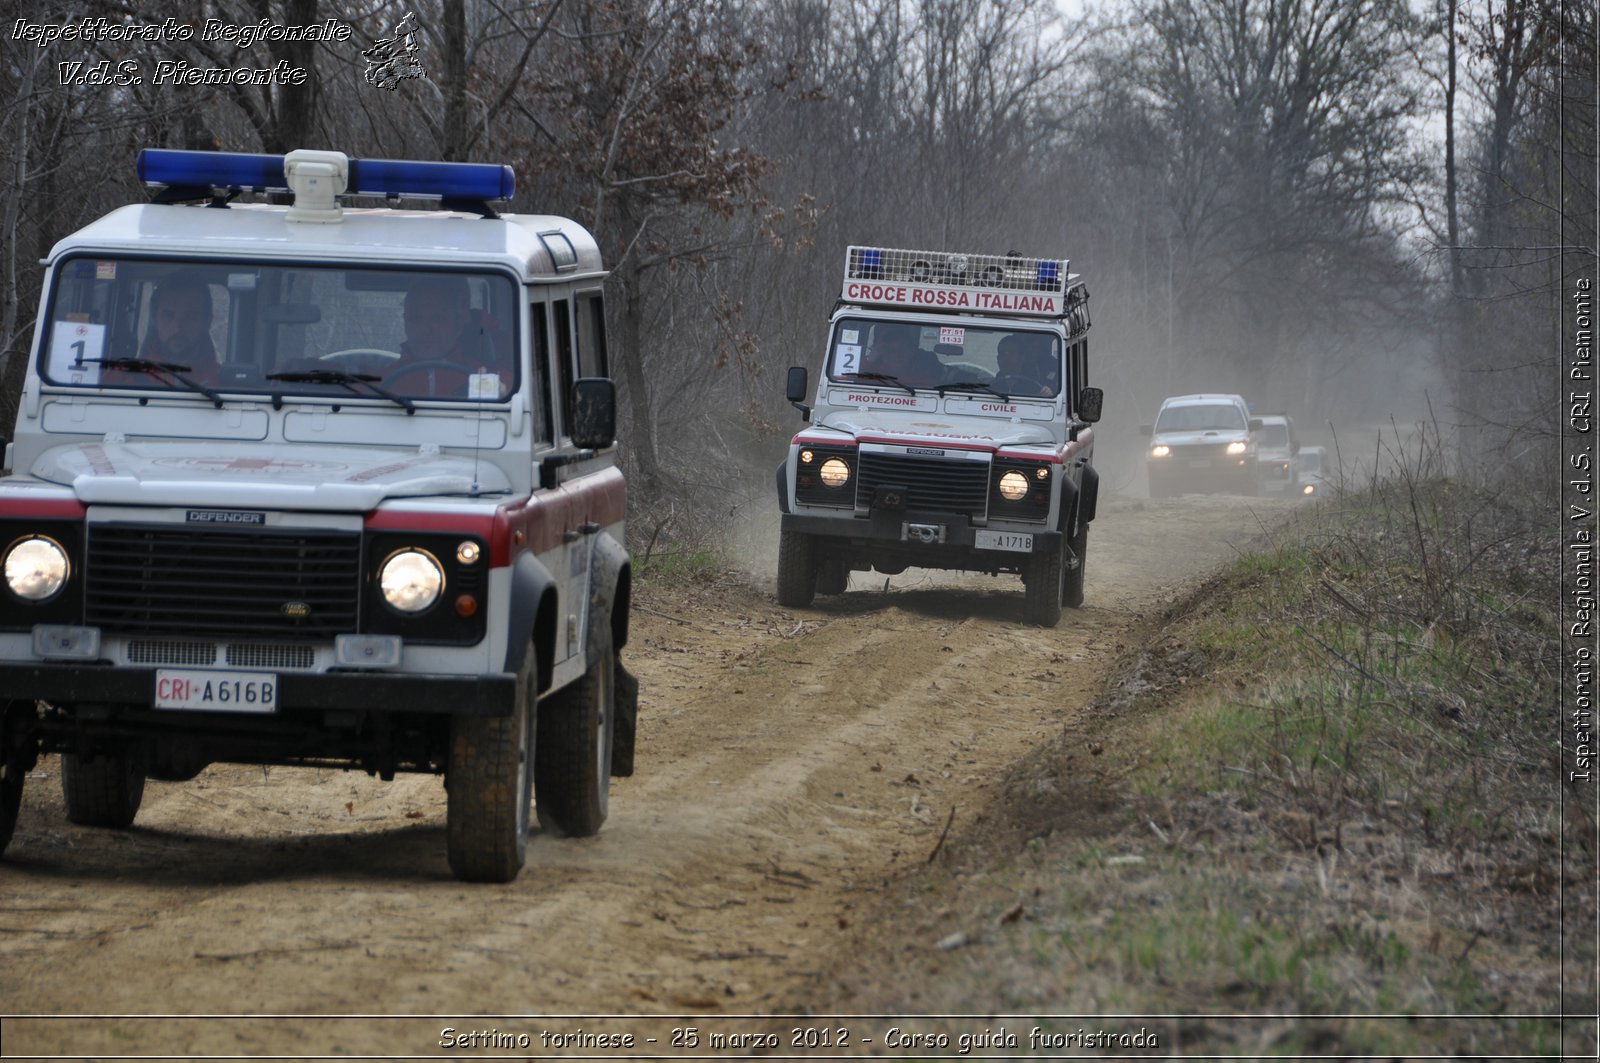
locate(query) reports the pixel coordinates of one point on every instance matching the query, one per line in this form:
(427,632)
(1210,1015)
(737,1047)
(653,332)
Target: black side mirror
(796,388)
(1255,424)
(594,412)
(1294,448)
(1090,400)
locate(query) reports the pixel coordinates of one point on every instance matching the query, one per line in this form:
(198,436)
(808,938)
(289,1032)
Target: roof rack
(956,281)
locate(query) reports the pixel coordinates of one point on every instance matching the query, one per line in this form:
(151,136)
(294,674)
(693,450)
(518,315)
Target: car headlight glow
(411,580)
(1238,448)
(36,568)
(1309,489)
(1160,450)
(1013,486)
(834,472)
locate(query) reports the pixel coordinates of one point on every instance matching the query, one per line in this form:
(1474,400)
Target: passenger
(446,345)
(1026,365)
(180,324)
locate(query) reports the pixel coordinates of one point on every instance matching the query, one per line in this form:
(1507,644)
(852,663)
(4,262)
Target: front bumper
(880,537)
(381,692)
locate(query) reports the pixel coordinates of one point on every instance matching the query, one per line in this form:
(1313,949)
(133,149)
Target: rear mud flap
(627,709)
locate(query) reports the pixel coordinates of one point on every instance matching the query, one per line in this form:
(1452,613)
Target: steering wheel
(440,387)
(358,352)
(1015,385)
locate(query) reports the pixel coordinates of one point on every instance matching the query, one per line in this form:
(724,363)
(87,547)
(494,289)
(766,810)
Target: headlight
(411,580)
(1160,450)
(834,472)
(1013,486)
(1238,448)
(36,568)
(1309,489)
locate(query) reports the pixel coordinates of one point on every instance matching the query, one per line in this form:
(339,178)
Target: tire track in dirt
(790,762)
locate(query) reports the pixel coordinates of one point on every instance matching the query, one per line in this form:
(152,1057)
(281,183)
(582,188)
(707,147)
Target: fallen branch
(943,834)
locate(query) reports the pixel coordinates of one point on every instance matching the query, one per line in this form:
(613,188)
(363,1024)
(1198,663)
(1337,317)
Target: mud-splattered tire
(1072,595)
(577,726)
(797,569)
(102,791)
(832,577)
(489,787)
(1043,588)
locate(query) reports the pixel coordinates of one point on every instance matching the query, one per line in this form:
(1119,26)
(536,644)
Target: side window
(592,359)
(1080,365)
(543,425)
(562,309)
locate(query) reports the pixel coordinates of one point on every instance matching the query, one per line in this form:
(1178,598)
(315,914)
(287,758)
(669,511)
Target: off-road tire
(797,569)
(102,791)
(572,766)
(489,787)
(12,777)
(1072,595)
(833,577)
(1042,593)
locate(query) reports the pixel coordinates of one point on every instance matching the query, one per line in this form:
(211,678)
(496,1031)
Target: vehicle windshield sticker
(73,345)
(955,336)
(483,386)
(105,271)
(847,358)
(849,335)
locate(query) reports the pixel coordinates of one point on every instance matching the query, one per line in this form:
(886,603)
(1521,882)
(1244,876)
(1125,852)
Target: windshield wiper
(971,385)
(166,371)
(883,378)
(346,380)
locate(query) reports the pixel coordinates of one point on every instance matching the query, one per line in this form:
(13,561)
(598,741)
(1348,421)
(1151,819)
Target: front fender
(531,618)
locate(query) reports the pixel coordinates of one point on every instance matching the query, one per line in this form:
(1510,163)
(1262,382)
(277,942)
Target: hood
(1209,435)
(275,476)
(927,426)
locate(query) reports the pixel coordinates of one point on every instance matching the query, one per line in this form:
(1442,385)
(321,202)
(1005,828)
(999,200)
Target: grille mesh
(270,655)
(947,486)
(170,651)
(172,580)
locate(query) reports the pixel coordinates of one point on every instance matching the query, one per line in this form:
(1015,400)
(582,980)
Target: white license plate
(1018,542)
(208,691)
(1199,463)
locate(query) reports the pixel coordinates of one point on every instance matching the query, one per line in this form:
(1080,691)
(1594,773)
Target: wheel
(489,787)
(1072,596)
(797,569)
(572,763)
(102,791)
(17,754)
(832,577)
(1043,588)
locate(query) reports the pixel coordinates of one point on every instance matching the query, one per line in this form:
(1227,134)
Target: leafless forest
(1351,210)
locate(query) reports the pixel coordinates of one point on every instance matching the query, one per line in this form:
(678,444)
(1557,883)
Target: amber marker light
(466,606)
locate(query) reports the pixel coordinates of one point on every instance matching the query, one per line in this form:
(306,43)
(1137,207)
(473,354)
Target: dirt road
(789,763)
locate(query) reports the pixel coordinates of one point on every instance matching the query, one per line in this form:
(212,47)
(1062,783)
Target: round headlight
(1160,450)
(36,568)
(1237,448)
(834,472)
(1309,489)
(411,581)
(1013,485)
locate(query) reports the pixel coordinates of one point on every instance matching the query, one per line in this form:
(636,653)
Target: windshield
(295,329)
(1016,362)
(1311,460)
(1275,436)
(1223,416)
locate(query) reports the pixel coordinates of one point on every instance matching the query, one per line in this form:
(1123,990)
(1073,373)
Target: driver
(180,324)
(1025,365)
(447,351)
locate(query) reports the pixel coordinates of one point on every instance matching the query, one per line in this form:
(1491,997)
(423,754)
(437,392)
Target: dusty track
(789,763)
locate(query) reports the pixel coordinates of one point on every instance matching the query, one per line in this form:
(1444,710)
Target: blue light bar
(457,180)
(1049,275)
(211,169)
(370,177)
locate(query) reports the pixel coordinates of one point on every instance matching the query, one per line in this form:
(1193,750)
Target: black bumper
(384,692)
(880,535)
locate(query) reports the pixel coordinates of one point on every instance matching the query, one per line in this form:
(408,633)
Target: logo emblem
(927,452)
(295,610)
(225,516)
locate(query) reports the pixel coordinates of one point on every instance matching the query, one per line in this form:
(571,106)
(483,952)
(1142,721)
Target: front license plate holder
(1014,542)
(209,690)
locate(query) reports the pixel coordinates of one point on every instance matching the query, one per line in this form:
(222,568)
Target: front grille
(270,655)
(171,580)
(170,651)
(946,486)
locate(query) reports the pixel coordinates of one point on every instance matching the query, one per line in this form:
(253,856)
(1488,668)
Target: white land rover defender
(315,484)
(950,428)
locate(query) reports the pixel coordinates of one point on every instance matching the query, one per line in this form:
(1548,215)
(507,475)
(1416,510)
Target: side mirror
(1147,429)
(796,388)
(1090,400)
(594,412)
(1294,448)
(1255,424)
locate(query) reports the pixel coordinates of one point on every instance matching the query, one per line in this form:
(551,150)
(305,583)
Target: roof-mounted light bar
(367,177)
(942,280)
